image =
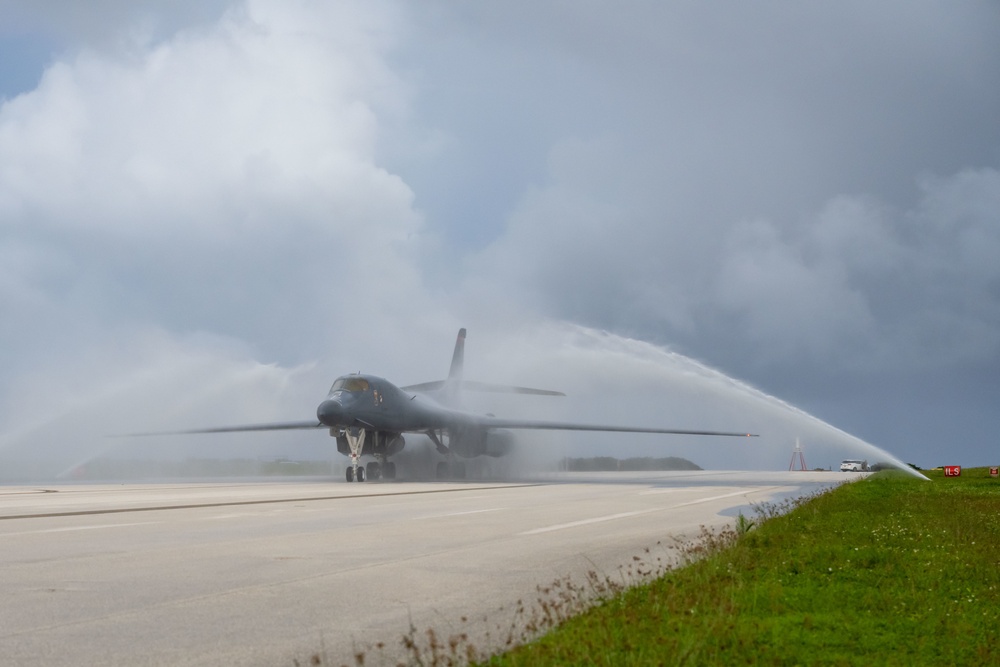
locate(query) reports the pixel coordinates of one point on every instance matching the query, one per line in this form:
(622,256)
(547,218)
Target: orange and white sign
(952,471)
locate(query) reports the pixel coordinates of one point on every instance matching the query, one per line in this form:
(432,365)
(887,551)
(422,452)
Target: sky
(773,217)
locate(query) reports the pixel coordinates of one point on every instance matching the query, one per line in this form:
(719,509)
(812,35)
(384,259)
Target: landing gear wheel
(361,474)
(350,473)
(442,470)
(458,470)
(388,470)
(372,470)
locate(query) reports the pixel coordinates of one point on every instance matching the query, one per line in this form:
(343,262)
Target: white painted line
(624,515)
(449,514)
(744,492)
(585,522)
(76,528)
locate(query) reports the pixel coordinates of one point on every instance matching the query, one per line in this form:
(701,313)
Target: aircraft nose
(330,413)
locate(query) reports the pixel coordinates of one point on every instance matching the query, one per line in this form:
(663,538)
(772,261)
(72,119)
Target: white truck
(853,465)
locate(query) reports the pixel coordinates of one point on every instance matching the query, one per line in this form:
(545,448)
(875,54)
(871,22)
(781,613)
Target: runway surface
(273,572)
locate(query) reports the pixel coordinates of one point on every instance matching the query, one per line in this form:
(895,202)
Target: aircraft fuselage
(374,403)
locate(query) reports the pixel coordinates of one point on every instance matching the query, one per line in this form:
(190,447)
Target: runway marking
(76,528)
(625,515)
(744,492)
(240,515)
(242,503)
(442,516)
(584,522)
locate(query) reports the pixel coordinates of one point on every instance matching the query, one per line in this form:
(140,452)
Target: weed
(743,524)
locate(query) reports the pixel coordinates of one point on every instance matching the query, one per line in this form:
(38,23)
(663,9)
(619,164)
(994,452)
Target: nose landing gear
(356,441)
(381,467)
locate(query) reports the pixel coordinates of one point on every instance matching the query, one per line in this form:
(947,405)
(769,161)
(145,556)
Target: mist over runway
(267,573)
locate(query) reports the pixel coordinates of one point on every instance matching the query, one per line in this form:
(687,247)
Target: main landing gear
(372,471)
(381,469)
(450,469)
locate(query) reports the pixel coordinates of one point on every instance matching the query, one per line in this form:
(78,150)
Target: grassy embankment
(891,570)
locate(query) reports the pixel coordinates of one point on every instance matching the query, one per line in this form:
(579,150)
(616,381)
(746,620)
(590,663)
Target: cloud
(786,304)
(807,199)
(900,289)
(858,280)
(223,166)
(223,181)
(264,109)
(782,202)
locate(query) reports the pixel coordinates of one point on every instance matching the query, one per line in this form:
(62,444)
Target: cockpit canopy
(350,383)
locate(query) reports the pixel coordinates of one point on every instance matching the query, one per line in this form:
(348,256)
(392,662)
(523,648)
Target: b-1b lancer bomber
(368,416)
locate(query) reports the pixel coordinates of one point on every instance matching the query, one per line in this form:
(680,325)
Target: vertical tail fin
(458,358)
(448,391)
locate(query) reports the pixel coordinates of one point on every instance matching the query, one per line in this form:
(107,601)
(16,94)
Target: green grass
(891,570)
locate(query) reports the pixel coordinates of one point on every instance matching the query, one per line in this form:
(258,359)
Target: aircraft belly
(471,441)
(384,444)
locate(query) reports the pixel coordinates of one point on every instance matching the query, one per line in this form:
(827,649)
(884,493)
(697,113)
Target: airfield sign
(995,471)
(952,471)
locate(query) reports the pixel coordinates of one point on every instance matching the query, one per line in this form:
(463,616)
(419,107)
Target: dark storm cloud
(805,195)
(750,110)
(105,21)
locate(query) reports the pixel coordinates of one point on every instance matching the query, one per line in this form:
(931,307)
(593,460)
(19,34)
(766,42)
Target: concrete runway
(273,572)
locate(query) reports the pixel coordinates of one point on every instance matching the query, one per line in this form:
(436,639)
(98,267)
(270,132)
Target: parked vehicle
(854,465)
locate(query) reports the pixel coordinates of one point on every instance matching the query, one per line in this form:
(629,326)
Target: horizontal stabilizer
(470,385)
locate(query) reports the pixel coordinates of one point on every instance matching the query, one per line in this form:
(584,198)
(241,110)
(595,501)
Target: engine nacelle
(473,442)
(499,443)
